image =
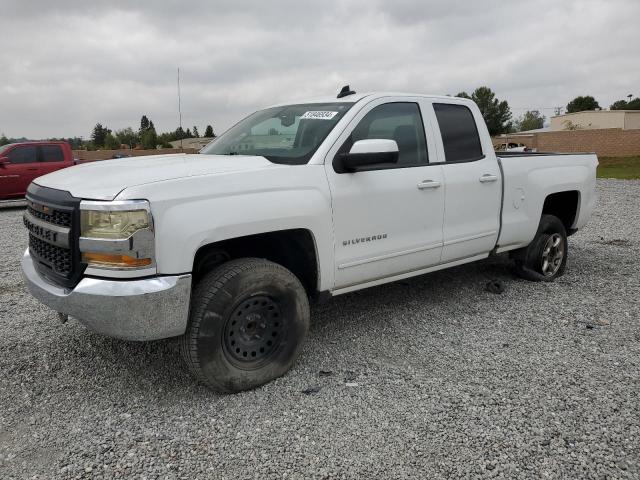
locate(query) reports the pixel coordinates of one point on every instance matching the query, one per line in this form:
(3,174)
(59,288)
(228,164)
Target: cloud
(66,65)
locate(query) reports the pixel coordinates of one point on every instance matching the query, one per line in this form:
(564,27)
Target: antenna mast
(180,111)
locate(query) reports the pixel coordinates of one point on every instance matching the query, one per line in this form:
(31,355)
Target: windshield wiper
(232,153)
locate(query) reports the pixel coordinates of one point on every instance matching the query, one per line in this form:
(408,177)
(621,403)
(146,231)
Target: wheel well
(563,205)
(293,249)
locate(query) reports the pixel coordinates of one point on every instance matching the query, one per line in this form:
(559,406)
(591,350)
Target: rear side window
(459,133)
(52,153)
(26,154)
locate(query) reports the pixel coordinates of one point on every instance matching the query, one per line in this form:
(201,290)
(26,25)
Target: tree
(110,142)
(148,135)
(496,113)
(3,140)
(531,120)
(619,105)
(195,132)
(580,104)
(144,124)
(208,132)
(99,134)
(188,134)
(624,105)
(74,142)
(127,136)
(149,139)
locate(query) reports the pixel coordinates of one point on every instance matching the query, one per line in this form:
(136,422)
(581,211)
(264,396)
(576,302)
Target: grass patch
(619,167)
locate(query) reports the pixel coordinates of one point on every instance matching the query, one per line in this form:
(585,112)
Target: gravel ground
(431,377)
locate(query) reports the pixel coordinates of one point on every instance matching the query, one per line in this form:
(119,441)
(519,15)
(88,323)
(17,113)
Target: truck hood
(104,180)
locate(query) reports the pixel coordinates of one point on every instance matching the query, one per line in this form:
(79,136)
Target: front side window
(290,134)
(460,136)
(24,154)
(399,121)
(52,153)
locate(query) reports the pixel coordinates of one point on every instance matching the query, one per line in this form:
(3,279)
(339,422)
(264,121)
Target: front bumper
(147,309)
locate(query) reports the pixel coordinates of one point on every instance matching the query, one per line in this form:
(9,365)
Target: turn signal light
(114,260)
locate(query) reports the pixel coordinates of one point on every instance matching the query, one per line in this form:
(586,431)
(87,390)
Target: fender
(219,207)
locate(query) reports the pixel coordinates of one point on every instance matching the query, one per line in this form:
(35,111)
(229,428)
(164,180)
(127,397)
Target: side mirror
(4,161)
(364,153)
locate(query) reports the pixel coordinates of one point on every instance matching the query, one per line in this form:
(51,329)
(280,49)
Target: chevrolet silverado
(298,201)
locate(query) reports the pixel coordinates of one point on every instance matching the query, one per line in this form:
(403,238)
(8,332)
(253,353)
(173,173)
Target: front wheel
(545,258)
(248,320)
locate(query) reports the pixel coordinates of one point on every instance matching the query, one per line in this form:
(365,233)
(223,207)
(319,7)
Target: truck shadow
(452,287)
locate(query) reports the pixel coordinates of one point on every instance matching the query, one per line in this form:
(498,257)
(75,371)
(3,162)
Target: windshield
(290,134)
(4,147)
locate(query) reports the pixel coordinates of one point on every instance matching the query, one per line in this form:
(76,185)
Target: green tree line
(145,136)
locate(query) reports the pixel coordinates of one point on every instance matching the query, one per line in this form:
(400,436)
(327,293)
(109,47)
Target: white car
(295,202)
(512,147)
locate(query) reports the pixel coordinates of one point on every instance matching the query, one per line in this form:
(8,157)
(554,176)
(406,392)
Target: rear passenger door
(387,218)
(473,182)
(51,159)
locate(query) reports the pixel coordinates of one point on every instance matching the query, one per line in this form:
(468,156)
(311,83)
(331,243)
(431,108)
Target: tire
(545,259)
(248,321)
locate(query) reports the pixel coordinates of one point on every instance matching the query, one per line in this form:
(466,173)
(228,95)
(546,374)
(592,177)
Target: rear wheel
(249,318)
(545,258)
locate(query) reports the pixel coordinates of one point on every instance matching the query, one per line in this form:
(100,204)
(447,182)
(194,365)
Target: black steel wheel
(253,332)
(248,320)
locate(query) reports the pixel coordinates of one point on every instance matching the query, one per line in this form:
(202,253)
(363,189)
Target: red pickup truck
(21,163)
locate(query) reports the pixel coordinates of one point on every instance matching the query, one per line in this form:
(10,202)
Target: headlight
(117,235)
(113,225)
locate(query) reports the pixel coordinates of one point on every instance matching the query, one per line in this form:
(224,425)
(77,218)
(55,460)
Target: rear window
(52,153)
(459,133)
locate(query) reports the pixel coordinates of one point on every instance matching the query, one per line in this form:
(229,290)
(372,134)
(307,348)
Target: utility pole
(180,111)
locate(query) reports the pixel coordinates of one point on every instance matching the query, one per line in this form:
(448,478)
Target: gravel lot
(429,377)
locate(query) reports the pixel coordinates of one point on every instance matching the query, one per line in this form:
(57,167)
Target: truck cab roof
(356,97)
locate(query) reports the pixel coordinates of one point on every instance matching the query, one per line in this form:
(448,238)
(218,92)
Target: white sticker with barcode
(319,115)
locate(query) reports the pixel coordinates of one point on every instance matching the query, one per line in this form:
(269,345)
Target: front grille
(58,258)
(57,217)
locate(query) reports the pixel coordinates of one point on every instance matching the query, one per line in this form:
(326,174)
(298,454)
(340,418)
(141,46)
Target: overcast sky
(66,65)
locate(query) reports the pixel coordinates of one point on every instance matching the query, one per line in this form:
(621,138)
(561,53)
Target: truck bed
(529,178)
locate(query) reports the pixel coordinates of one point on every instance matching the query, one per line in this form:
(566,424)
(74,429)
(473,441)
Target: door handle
(487,177)
(32,169)
(428,184)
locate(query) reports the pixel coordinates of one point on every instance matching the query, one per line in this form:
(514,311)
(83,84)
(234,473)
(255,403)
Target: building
(596,119)
(196,143)
(611,133)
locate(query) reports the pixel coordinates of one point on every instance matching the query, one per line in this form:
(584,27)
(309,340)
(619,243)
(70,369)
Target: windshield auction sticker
(319,115)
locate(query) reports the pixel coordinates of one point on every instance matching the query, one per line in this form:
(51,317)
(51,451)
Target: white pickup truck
(295,202)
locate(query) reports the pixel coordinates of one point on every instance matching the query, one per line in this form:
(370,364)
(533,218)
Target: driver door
(387,218)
